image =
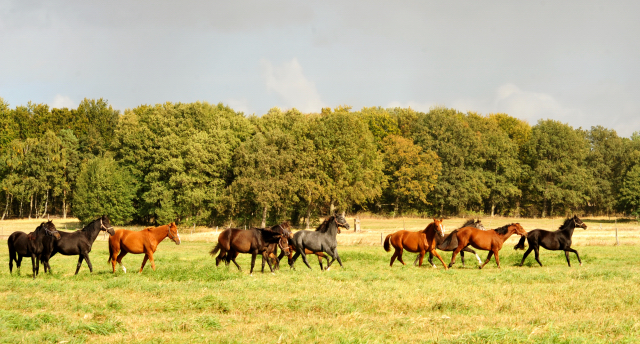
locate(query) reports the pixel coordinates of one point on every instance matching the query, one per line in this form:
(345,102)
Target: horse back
(18,244)
(556,240)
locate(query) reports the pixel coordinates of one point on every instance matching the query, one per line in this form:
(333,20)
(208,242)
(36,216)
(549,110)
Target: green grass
(188,299)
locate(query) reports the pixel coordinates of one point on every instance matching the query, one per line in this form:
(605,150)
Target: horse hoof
(434,266)
(580,264)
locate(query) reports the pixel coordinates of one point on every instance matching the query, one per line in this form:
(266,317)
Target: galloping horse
(323,239)
(450,243)
(76,243)
(254,241)
(30,245)
(306,251)
(554,241)
(486,240)
(422,241)
(145,241)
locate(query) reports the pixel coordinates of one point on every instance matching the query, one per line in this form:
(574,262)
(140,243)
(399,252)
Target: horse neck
(506,236)
(333,229)
(159,233)
(92,230)
(568,230)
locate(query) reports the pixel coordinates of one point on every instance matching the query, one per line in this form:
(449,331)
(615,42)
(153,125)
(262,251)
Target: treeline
(207,164)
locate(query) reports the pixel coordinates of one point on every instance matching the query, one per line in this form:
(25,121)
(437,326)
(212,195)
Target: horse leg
(253,262)
(486,261)
(320,261)
(400,256)
(574,251)
(153,262)
(462,257)
(86,258)
(268,263)
(526,254)
(421,256)
(453,257)
(566,254)
(536,251)
(337,256)
(233,259)
(33,265)
(415,262)
(119,260)
(80,258)
(292,260)
(19,263)
(497,259)
(431,260)
(393,257)
(144,261)
(304,259)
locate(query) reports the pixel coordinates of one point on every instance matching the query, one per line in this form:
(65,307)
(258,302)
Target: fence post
(380,238)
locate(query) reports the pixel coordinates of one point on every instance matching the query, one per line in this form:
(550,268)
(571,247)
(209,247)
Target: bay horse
(30,245)
(490,240)
(323,239)
(554,241)
(254,241)
(450,243)
(422,241)
(137,242)
(76,243)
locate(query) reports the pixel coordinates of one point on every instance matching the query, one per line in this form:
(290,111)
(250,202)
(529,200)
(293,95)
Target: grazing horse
(486,240)
(254,241)
(554,241)
(30,245)
(450,243)
(422,241)
(145,241)
(76,243)
(323,239)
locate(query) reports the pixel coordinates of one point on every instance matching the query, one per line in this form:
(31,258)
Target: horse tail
(520,245)
(386,243)
(215,249)
(12,250)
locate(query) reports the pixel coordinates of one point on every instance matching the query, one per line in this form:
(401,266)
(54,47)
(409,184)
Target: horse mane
(469,223)
(503,230)
(566,223)
(324,226)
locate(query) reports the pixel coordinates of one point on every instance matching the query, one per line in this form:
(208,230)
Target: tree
(607,160)
(411,173)
(556,154)
(630,192)
(103,188)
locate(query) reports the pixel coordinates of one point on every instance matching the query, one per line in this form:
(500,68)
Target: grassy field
(188,299)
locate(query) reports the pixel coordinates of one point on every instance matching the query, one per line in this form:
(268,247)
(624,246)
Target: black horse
(554,241)
(76,243)
(323,239)
(30,245)
(450,243)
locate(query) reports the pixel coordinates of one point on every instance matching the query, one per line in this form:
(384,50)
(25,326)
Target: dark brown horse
(253,241)
(554,241)
(422,241)
(491,240)
(145,241)
(30,245)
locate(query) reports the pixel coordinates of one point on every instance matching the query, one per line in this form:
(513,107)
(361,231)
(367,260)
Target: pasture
(188,299)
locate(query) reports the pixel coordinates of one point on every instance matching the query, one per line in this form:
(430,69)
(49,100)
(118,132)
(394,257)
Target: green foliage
(104,188)
(630,191)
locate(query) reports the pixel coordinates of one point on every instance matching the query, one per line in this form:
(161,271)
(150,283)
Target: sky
(573,61)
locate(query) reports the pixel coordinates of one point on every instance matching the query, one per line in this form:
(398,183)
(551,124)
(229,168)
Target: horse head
(173,233)
(517,228)
(285,229)
(105,225)
(284,244)
(579,222)
(439,226)
(50,229)
(340,222)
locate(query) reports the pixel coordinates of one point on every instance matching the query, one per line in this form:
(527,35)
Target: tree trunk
(395,208)
(46,206)
(264,217)
(64,204)
(6,207)
(308,220)
(332,208)
(30,206)
(493,208)
(544,207)
(21,208)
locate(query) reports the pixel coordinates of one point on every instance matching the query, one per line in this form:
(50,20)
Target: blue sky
(574,61)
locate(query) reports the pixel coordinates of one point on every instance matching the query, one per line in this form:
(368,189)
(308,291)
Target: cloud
(60,101)
(531,105)
(291,85)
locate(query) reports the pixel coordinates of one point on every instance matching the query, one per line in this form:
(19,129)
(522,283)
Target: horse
(554,241)
(323,239)
(450,243)
(30,245)
(306,251)
(76,243)
(145,241)
(486,240)
(422,241)
(253,240)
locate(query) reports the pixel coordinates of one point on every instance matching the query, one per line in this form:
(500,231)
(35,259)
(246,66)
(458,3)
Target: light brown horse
(422,241)
(145,241)
(490,240)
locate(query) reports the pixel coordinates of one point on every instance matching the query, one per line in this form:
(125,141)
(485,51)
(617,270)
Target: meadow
(188,299)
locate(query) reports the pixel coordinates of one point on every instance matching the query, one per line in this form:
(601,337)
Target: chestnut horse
(145,241)
(422,241)
(490,240)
